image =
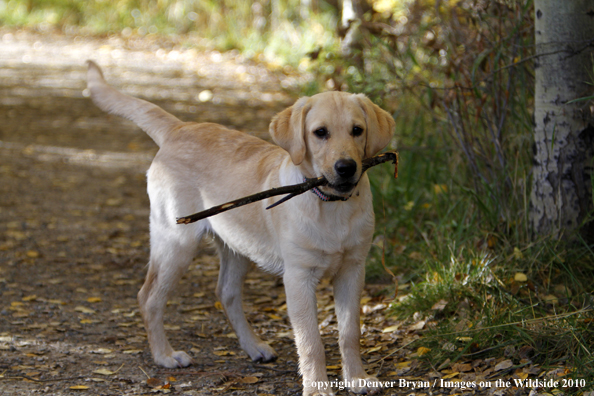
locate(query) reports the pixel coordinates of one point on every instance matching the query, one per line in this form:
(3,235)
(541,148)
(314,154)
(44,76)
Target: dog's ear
(380,126)
(287,129)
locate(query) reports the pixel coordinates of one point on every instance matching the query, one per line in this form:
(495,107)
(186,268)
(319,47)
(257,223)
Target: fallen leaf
(32,254)
(452,375)
(418,326)
(504,365)
(84,310)
(103,371)
(249,380)
(440,305)
(520,277)
(462,367)
(79,387)
(154,382)
(132,351)
(390,329)
(374,349)
(89,321)
(94,299)
(102,351)
(423,351)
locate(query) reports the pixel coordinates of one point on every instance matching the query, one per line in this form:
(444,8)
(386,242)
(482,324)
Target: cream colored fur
(302,240)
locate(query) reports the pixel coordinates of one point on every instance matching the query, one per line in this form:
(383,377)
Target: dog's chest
(334,229)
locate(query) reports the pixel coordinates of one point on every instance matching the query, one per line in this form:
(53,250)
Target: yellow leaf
(79,387)
(390,329)
(84,310)
(172,327)
(94,299)
(374,349)
(103,371)
(518,254)
(32,254)
(520,277)
(464,339)
(423,351)
(522,376)
(333,367)
(30,298)
(274,317)
(440,188)
(450,375)
(218,306)
(403,364)
(132,351)
(249,380)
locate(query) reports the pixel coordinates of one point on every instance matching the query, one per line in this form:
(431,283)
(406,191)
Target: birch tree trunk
(564,133)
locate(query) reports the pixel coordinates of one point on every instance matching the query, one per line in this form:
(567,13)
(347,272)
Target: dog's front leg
(348,285)
(300,288)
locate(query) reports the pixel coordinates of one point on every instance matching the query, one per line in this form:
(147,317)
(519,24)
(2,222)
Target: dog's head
(330,134)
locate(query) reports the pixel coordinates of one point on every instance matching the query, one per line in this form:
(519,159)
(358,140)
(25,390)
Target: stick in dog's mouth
(292,190)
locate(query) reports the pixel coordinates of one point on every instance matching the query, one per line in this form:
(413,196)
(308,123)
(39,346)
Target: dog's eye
(357,131)
(322,133)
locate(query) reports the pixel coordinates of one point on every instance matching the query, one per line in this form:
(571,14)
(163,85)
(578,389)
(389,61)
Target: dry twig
(292,191)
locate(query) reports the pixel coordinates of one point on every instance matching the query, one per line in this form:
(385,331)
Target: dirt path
(74,230)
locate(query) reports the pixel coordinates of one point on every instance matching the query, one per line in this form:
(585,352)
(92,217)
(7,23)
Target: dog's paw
(261,352)
(365,386)
(175,360)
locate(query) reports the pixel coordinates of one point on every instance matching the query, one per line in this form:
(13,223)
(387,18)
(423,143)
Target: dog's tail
(149,117)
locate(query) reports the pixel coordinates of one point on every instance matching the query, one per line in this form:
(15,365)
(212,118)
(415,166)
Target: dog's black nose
(345,168)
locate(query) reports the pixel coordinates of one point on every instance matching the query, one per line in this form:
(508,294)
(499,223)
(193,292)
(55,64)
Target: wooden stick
(292,190)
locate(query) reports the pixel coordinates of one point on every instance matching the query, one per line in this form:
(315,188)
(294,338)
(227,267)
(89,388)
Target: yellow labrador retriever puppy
(322,234)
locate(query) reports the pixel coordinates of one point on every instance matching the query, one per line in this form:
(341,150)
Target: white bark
(564,133)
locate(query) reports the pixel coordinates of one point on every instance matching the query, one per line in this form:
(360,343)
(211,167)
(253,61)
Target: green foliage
(454,227)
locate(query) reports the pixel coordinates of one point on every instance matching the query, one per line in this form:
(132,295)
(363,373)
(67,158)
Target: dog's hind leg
(171,254)
(234,268)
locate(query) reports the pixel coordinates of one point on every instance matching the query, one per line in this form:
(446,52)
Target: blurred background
(457,75)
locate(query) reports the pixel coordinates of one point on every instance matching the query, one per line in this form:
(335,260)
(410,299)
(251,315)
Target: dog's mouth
(342,190)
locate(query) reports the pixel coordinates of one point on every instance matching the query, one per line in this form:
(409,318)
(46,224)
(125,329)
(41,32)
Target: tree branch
(292,190)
